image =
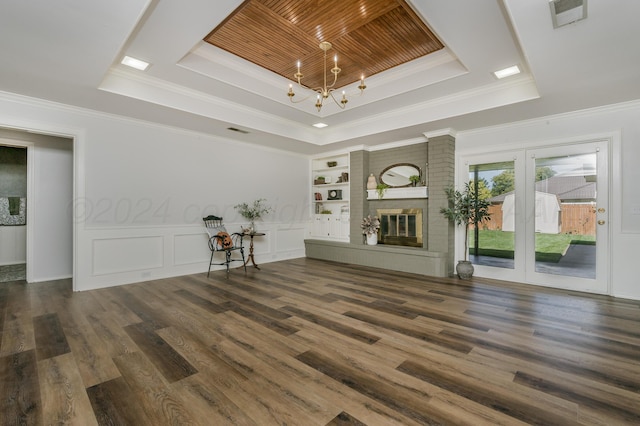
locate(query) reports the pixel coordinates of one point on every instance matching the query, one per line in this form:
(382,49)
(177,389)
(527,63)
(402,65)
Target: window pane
(565,215)
(492,243)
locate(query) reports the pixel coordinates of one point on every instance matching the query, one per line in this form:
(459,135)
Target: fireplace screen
(402,227)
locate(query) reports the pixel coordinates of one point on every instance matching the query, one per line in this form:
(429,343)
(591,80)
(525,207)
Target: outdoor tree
(503,182)
(483,188)
(544,172)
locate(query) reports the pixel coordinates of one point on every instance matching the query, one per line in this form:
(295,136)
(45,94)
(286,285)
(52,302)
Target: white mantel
(397,193)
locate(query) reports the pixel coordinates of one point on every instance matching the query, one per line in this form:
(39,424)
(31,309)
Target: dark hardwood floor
(307,342)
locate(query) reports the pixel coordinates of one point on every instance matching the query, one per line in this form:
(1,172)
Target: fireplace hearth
(401,227)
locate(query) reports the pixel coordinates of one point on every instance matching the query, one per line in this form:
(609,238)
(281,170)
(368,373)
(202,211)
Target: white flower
(370,225)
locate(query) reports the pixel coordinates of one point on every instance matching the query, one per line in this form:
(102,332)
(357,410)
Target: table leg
(251,257)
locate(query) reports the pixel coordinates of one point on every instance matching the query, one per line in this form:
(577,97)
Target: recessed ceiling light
(134,63)
(507,72)
(320,125)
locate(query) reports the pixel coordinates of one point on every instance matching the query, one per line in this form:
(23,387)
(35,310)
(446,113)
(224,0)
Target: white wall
(142,189)
(50,205)
(619,122)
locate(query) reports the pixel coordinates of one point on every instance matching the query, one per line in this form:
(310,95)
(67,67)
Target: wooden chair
(222,241)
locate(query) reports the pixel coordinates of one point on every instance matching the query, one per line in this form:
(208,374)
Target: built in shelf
(397,193)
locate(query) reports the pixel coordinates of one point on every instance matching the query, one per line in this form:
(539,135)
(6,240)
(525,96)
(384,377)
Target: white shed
(547,213)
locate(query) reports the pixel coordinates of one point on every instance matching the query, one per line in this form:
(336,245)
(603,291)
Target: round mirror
(397,175)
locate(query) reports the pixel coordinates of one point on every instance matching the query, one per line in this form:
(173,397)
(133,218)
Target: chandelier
(325,91)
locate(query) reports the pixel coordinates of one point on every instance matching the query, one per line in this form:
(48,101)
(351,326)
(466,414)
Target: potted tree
(414,179)
(465,209)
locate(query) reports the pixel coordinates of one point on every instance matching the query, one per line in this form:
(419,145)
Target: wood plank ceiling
(369,36)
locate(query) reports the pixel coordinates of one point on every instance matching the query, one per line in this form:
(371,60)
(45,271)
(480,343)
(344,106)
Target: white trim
(441,132)
(397,144)
(583,113)
(408,192)
(31,127)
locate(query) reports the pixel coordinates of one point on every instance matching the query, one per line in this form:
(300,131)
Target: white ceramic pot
(372,239)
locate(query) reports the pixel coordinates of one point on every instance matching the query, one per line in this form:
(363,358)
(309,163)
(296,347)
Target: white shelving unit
(331,198)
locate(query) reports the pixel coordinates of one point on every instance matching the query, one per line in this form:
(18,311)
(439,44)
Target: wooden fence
(577,219)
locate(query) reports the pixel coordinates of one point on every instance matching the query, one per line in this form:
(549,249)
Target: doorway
(549,216)
(13,217)
(49,216)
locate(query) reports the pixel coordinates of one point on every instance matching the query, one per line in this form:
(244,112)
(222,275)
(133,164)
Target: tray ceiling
(368,37)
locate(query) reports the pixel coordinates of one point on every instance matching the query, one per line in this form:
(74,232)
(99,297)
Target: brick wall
(359,170)
(440,232)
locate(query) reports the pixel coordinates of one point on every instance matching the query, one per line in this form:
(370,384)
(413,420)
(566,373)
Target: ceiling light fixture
(325,91)
(134,63)
(320,125)
(507,72)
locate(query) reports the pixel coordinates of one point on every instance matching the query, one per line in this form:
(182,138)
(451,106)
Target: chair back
(214,226)
(212,221)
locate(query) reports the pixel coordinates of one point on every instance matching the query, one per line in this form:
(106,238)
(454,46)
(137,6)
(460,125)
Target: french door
(549,224)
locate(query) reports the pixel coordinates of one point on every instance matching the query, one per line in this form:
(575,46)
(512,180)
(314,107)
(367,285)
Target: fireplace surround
(401,227)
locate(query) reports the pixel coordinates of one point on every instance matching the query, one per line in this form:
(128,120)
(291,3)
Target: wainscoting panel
(127,254)
(290,238)
(190,248)
(289,242)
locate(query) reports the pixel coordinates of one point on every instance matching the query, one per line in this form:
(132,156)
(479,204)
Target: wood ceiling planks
(369,36)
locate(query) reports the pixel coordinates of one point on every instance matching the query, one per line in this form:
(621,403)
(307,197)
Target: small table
(250,257)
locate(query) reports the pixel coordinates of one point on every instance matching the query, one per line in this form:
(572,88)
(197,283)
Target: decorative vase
(372,239)
(371,182)
(464,268)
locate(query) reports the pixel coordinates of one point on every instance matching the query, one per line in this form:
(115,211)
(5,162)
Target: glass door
(549,216)
(496,247)
(568,192)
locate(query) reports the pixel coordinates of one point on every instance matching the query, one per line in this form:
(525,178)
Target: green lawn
(549,247)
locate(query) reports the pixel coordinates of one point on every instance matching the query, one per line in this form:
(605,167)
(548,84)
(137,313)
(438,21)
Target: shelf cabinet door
(341,226)
(322,225)
(333,226)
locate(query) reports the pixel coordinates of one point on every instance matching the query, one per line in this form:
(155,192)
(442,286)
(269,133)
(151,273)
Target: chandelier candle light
(325,91)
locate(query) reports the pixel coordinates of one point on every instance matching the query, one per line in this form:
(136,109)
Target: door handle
(601,222)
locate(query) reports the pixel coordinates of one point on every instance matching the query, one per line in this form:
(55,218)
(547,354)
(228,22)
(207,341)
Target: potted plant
(381,188)
(465,209)
(370,226)
(253,212)
(414,179)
